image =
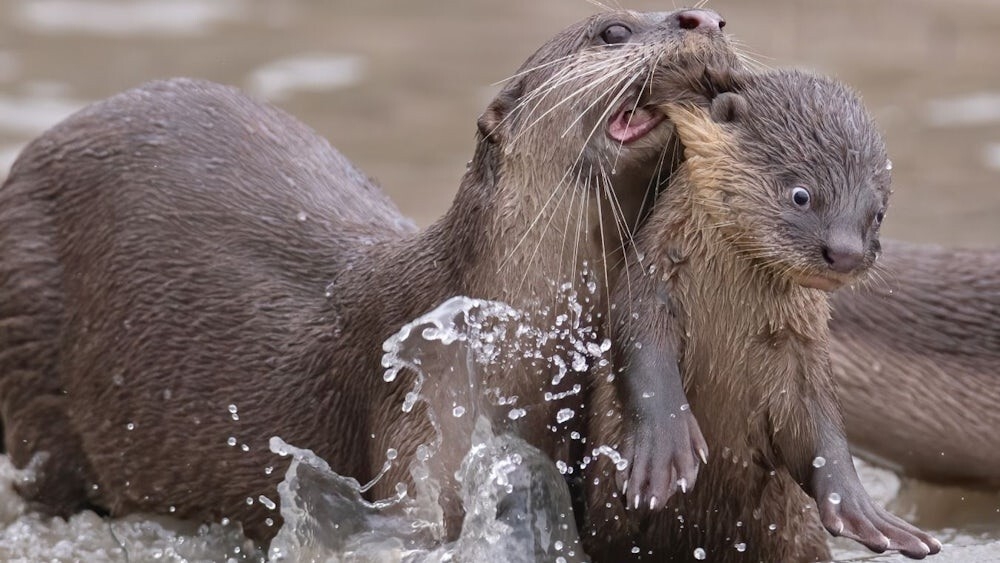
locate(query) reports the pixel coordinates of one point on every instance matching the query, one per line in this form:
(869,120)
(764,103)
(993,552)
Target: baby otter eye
(879,216)
(800,196)
(616,33)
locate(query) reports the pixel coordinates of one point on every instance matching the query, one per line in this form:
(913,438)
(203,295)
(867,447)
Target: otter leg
(39,437)
(824,468)
(663,442)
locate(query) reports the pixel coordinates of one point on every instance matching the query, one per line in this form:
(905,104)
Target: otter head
(578,132)
(796,169)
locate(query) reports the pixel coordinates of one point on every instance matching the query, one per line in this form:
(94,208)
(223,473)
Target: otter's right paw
(663,457)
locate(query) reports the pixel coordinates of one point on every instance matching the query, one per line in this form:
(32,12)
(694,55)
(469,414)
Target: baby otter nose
(700,20)
(843,256)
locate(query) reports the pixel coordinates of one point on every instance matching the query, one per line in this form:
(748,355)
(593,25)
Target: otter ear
(494,122)
(728,107)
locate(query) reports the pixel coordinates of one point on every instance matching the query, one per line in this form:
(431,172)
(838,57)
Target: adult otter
(929,321)
(780,197)
(185,273)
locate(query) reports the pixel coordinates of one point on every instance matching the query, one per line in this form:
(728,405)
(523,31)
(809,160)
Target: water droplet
(772,527)
(232,409)
(245,448)
(558,545)
(269,521)
(172,508)
(267,502)
(515,414)
(820,461)
(250,500)
(699,554)
(268,470)
(391,454)
(888,165)
(458,411)
(302,216)
(564,414)
(635,549)
(130,426)
(231,441)
(741,547)
(834,498)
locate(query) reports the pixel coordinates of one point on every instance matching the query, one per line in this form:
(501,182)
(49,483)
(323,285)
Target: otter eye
(616,33)
(879,216)
(800,196)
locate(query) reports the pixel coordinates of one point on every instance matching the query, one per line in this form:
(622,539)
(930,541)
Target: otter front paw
(853,514)
(663,457)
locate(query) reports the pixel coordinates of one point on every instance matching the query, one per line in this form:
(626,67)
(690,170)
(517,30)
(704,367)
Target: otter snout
(844,252)
(699,20)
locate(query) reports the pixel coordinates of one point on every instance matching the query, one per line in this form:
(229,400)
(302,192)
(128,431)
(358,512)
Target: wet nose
(700,20)
(843,256)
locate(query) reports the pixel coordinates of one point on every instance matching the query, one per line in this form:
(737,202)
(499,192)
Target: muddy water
(397,87)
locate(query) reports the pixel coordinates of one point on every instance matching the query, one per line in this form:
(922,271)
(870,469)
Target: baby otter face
(799,174)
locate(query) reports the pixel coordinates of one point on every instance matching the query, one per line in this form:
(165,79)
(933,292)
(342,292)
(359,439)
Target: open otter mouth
(632,122)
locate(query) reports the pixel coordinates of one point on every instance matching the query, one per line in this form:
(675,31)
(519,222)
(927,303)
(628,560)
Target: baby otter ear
(495,122)
(728,107)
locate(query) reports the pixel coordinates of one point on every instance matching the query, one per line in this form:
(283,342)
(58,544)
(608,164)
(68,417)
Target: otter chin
(825,283)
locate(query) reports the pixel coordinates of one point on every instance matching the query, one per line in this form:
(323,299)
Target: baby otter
(779,200)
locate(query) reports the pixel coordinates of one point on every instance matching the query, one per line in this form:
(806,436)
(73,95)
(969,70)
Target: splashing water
(516,500)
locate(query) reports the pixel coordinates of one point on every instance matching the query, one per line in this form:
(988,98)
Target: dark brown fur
(730,262)
(916,355)
(180,248)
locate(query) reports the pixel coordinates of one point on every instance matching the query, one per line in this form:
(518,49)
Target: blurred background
(397,86)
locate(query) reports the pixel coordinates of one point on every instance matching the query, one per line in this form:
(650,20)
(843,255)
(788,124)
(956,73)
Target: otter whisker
(604,247)
(628,82)
(535,68)
(541,235)
(538,217)
(569,216)
(584,89)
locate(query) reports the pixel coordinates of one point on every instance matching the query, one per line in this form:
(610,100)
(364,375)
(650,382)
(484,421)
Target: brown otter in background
(185,273)
(930,321)
(780,197)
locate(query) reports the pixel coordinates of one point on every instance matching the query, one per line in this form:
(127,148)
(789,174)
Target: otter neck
(732,303)
(541,225)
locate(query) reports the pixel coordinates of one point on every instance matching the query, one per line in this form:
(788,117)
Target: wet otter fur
(736,261)
(179,252)
(928,321)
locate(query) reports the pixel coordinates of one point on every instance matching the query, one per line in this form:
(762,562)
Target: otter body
(780,197)
(185,273)
(916,355)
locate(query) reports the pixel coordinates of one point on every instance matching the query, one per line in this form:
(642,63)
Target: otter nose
(843,255)
(700,20)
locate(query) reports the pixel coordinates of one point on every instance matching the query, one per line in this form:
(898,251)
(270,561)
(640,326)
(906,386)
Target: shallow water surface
(397,87)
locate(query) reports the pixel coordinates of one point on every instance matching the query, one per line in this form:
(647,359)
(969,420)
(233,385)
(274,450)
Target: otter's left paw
(663,456)
(853,514)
